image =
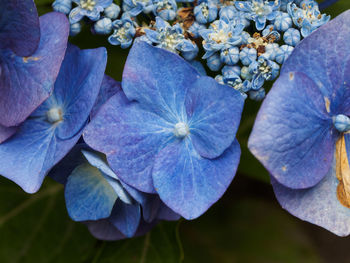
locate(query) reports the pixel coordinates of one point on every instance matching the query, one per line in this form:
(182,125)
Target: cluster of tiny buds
(244,43)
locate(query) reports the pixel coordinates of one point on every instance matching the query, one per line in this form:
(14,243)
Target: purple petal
(6,132)
(19,26)
(293,135)
(26,82)
(322,57)
(318,205)
(214,112)
(190,184)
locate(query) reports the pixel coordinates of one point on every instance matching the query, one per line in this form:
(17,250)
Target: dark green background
(246,225)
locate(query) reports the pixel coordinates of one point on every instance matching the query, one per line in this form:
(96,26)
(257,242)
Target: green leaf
(36,228)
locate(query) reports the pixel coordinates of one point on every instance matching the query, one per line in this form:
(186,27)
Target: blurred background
(246,225)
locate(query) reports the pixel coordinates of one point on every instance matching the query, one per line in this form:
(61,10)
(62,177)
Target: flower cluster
(123,151)
(253,36)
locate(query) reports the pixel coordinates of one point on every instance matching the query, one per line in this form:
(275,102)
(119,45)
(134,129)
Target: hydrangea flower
(103,26)
(135,7)
(205,11)
(259,11)
(283,53)
(124,32)
(263,69)
(63,6)
(301,134)
(55,127)
(221,34)
(26,81)
(292,37)
(88,8)
(165,9)
(307,17)
(171,38)
(283,21)
(232,14)
(94,195)
(175,136)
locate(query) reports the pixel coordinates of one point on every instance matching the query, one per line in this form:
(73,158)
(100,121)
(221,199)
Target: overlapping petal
(19,26)
(27,81)
(126,218)
(293,136)
(158,80)
(6,132)
(214,113)
(318,205)
(40,144)
(323,57)
(130,137)
(188,183)
(33,150)
(88,194)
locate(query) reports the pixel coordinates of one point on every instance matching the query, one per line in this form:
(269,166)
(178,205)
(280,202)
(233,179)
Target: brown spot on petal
(27,59)
(342,173)
(327,104)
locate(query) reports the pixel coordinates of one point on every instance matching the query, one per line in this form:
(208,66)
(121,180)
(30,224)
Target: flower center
(54,115)
(341,123)
(258,8)
(181,130)
(87,4)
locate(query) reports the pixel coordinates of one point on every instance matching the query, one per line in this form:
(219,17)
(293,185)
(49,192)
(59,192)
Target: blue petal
(104,230)
(214,112)
(321,57)
(6,132)
(33,151)
(97,161)
(318,205)
(65,167)
(292,135)
(27,81)
(19,26)
(88,195)
(126,218)
(109,87)
(189,184)
(77,88)
(130,137)
(158,79)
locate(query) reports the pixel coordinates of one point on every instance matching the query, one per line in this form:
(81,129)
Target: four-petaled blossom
(175,136)
(307,17)
(301,134)
(88,8)
(171,38)
(55,127)
(124,32)
(259,11)
(205,11)
(221,34)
